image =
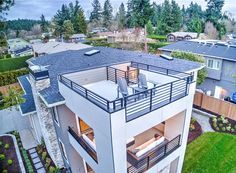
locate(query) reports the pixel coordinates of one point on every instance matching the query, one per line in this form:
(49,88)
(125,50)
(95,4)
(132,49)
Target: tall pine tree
(214,10)
(176,16)
(141,12)
(96,14)
(129,19)
(121,16)
(107,14)
(43,23)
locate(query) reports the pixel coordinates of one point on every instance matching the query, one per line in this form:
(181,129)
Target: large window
(63,149)
(213,64)
(55,115)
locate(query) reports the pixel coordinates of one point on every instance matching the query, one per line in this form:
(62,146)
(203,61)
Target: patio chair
(142,81)
(122,87)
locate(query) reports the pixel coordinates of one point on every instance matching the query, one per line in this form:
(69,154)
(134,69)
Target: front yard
(212,152)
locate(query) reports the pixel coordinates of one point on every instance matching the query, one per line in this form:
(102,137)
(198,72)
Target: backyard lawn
(211,153)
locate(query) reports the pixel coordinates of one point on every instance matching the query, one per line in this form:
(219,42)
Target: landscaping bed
(223,124)
(194,131)
(212,152)
(27,162)
(8,158)
(46,159)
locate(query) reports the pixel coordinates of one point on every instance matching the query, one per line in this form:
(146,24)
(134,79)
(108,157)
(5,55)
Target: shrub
(44,154)
(6,146)
(221,125)
(9,161)
(2,157)
(214,119)
(1,143)
(223,129)
(48,160)
(214,124)
(217,128)
(228,128)
(52,169)
(161,38)
(10,77)
(4,171)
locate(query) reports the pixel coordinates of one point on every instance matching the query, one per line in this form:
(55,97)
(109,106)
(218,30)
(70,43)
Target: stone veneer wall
(46,122)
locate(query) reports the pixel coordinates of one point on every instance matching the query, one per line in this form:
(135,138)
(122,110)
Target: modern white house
(106,110)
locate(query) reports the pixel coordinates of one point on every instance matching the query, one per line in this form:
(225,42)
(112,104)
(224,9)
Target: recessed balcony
(101,87)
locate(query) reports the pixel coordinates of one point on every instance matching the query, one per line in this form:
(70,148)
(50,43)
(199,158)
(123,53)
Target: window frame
(55,116)
(63,149)
(213,64)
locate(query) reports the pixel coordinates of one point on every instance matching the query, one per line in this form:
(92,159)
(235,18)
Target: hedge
(10,77)
(161,38)
(13,63)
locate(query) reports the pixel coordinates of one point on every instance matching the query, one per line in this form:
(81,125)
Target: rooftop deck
(100,87)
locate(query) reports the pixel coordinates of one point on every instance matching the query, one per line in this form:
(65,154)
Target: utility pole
(145,39)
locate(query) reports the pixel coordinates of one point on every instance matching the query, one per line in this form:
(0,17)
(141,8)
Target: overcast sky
(32,9)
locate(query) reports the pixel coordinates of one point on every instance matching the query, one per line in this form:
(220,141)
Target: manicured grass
(13,63)
(211,153)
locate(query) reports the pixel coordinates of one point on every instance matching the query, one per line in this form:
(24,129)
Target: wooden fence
(214,105)
(4,89)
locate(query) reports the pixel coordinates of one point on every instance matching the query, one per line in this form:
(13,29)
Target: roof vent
(91,52)
(167,57)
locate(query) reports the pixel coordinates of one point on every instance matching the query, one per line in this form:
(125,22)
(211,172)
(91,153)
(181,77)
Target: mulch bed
(231,122)
(193,134)
(9,153)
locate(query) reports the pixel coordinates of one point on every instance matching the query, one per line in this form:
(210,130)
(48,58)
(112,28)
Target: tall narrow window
(63,149)
(213,64)
(55,115)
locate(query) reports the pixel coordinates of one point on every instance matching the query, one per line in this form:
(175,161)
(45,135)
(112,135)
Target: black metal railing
(83,144)
(157,155)
(139,103)
(169,72)
(149,100)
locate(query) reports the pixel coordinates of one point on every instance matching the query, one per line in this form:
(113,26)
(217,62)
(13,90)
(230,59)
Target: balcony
(99,86)
(138,165)
(84,144)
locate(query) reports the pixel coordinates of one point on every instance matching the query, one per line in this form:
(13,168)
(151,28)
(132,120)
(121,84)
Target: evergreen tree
(80,20)
(176,16)
(121,16)
(141,12)
(214,10)
(96,13)
(149,28)
(156,13)
(129,20)
(195,25)
(68,29)
(43,23)
(74,11)
(164,26)
(107,14)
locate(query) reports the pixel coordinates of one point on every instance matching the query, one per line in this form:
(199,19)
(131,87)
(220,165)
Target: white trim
(64,154)
(51,105)
(55,116)
(204,55)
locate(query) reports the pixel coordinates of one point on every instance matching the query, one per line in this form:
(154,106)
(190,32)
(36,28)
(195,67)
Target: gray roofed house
(179,36)
(55,76)
(220,60)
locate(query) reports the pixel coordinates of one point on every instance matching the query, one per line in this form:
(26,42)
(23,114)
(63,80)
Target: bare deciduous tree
(210,31)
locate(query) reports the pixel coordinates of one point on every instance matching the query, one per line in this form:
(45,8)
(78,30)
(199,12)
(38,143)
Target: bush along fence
(10,77)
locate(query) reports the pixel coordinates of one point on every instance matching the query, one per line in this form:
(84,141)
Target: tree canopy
(107,14)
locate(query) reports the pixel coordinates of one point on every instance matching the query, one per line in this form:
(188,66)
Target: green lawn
(13,63)
(211,153)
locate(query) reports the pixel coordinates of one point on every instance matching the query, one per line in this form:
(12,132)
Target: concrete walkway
(36,161)
(27,138)
(203,119)
(12,120)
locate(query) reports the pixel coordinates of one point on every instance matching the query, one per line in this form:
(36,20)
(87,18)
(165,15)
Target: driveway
(12,120)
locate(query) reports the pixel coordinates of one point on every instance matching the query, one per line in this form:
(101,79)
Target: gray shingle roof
(28,106)
(70,61)
(212,50)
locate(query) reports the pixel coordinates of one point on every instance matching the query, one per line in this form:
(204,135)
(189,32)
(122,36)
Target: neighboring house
(55,47)
(18,47)
(88,126)
(75,38)
(179,36)
(99,29)
(220,60)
